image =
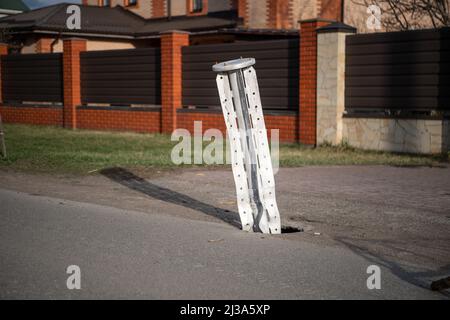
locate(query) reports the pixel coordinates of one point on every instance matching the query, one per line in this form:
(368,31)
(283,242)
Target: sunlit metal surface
(251,162)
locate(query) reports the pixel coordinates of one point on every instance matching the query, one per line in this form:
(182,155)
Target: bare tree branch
(412,14)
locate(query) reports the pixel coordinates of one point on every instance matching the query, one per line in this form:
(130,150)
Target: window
(131,2)
(197,5)
(104,3)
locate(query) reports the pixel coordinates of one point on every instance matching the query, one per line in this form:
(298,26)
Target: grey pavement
(148,255)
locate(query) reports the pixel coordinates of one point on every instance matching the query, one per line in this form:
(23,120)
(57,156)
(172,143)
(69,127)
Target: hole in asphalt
(289,229)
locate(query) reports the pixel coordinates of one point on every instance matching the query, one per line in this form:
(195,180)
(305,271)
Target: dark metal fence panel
(277,67)
(121,76)
(32,77)
(406,71)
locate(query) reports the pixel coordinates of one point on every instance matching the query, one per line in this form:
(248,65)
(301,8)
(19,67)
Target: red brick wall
(287,124)
(209,120)
(158,8)
(120,120)
(171,77)
(71,78)
(330,9)
(308,80)
(242,11)
(44,45)
(138,121)
(32,115)
(279,14)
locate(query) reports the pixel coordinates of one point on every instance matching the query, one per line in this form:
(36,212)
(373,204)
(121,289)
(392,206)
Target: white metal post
(250,154)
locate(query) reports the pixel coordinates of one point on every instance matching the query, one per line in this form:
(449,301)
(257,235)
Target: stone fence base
(398,135)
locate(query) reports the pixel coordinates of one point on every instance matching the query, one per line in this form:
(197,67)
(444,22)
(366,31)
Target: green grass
(295,155)
(56,150)
(51,149)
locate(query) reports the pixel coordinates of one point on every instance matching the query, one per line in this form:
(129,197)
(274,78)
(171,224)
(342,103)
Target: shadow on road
(130,180)
(421,279)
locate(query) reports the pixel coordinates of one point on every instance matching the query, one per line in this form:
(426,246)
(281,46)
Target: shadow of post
(130,180)
(420,279)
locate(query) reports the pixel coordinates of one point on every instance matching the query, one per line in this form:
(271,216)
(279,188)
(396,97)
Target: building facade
(257,14)
(124,24)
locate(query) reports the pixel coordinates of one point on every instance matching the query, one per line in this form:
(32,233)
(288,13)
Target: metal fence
(277,67)
(398,71)
(32,77)
(121,76)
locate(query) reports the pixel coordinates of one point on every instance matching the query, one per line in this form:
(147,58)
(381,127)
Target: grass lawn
(57,150)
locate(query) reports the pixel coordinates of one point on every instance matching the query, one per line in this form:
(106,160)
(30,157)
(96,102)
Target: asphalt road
(129,254)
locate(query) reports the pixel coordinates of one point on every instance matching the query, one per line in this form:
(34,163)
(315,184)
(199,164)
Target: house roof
(214,20)
(112,22)
(15,5)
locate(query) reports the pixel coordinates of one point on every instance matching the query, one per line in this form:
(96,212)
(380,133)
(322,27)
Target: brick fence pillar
(171,78)
(71,77)
(308,80)
(3,51)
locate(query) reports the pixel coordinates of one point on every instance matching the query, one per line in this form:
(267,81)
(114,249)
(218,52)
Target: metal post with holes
(250,154)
